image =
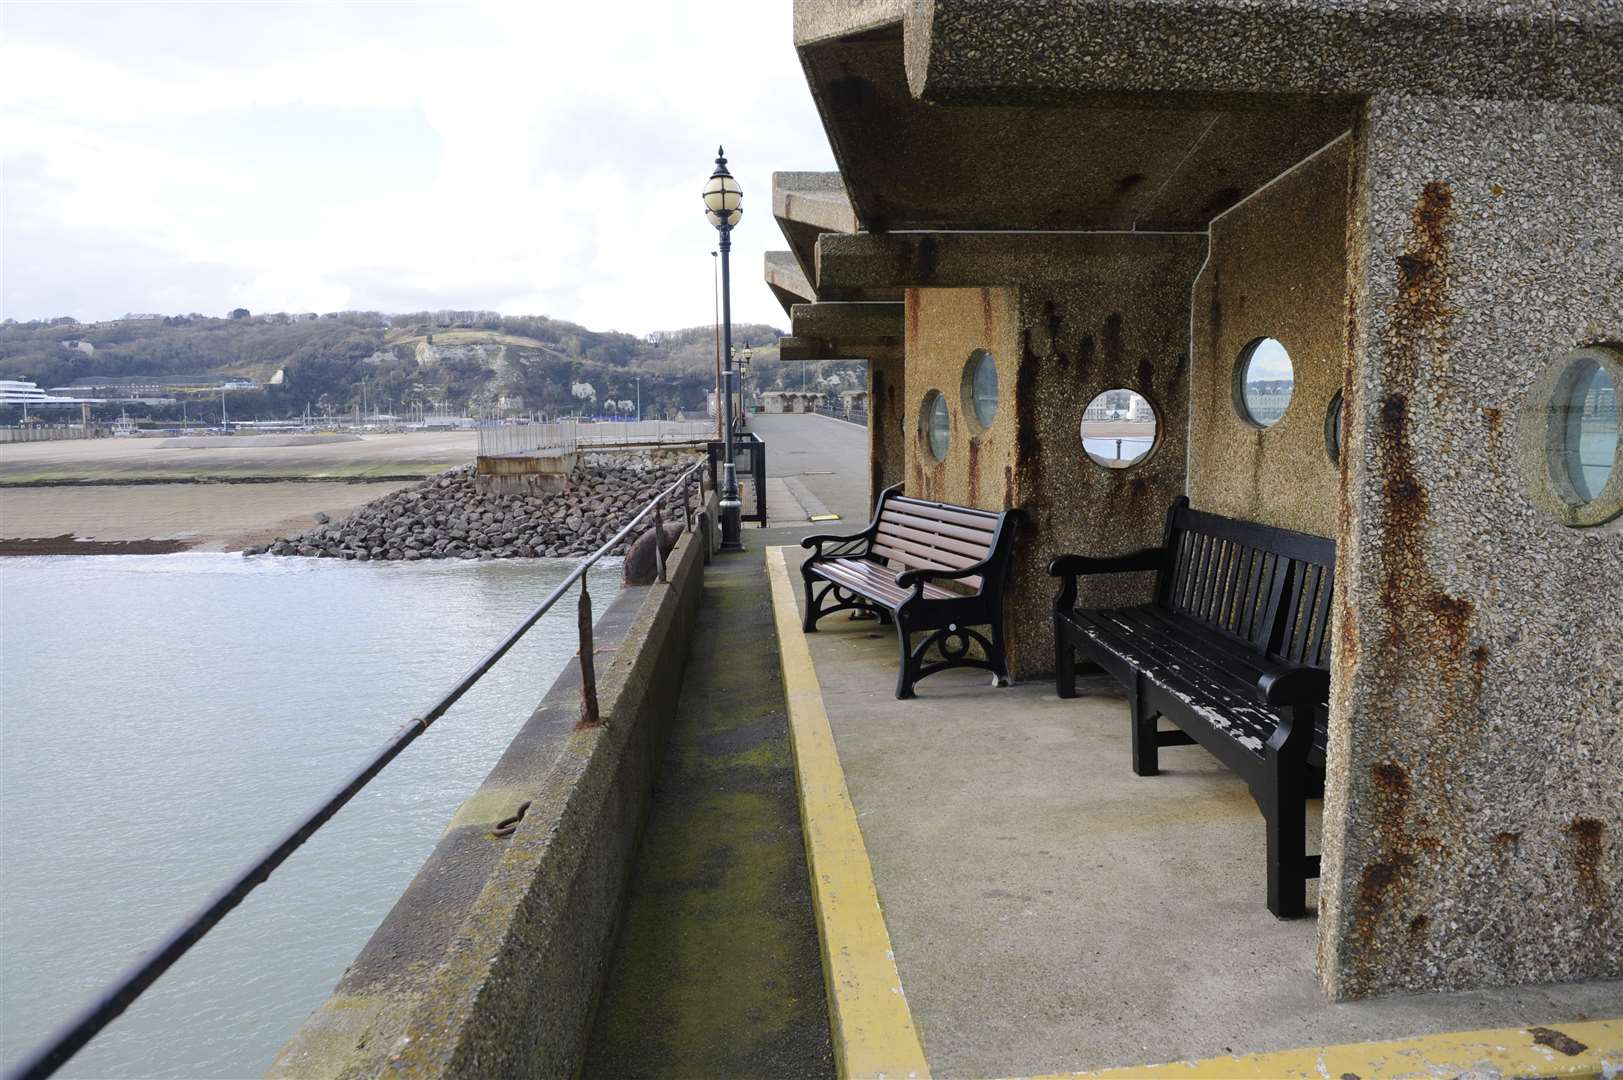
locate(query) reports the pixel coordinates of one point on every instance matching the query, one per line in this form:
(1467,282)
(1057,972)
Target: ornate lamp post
(723,200)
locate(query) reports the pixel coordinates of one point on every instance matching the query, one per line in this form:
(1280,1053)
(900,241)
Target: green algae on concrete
(717,971)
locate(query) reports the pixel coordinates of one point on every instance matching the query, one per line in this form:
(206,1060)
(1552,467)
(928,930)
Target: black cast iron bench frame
(931,542)
(1234,650)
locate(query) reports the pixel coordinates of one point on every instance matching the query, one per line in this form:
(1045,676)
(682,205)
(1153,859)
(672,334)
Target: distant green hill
(474,360)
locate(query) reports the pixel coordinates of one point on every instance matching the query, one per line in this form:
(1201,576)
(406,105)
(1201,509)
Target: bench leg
(1146,747)
(1064,662)
(999,657)
(905,677)
(1285,810)
(809,623)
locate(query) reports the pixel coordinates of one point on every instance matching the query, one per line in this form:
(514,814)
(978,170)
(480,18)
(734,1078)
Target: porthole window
(1569,434)
(980,389)
(935,426)
(1118,428)
(1263,381)
(1332,429)
(1585,430)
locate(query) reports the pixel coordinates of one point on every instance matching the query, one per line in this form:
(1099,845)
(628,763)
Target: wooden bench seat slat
(876,579)
(974,552)
(912,560)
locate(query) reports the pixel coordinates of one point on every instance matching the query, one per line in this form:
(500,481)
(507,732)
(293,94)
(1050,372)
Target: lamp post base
(732,525)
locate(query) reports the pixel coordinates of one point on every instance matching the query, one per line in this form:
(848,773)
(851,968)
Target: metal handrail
(69,1039)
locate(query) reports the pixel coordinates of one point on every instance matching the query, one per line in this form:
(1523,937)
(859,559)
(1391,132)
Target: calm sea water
(1132,446)
(164,718)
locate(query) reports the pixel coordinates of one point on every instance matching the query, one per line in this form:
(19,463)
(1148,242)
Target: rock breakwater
(448,517)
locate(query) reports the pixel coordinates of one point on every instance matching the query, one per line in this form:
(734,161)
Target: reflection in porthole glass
(936,424)
(1266,379)
(1118,428)
(1589,436)
(982,380)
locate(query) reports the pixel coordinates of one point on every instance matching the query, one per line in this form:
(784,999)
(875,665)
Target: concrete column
(1116,319)
(1474,810)
(887,462)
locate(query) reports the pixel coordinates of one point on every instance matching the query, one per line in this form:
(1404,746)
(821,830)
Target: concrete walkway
(717,971)
(1049,911)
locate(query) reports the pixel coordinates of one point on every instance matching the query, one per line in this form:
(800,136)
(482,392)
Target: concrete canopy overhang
(1112,162)
(797,349)
(965,52)
(808,205)
(858,265)
(787,281)
(855,326)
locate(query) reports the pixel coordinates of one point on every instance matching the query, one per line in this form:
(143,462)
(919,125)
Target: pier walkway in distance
(716,972)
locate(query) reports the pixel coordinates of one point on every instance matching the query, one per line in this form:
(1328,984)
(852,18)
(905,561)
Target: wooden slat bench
(926,566)
(1234,650)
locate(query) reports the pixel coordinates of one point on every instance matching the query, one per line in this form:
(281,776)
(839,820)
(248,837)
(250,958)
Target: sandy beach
(111,496)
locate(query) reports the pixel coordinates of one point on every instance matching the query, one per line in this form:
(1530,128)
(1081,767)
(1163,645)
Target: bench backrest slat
(916,534)
(973,552)
(1269,587)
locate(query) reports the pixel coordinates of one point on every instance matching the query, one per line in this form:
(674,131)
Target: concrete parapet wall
(490,963)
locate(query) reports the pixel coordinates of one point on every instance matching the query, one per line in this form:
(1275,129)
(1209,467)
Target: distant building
(29,395)
(79,345)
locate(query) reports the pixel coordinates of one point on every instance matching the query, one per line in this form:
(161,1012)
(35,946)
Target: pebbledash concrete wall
(1117,320)
(490,963)
(1474,807)
(887,420)
(1278,268)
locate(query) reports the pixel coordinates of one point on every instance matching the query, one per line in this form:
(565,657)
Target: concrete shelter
(1420,206)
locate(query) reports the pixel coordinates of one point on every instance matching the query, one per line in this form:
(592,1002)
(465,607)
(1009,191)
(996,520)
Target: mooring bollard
(659,538)
(588,671)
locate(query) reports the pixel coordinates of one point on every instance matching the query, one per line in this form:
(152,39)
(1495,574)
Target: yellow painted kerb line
(1589,1049)
(872,1025)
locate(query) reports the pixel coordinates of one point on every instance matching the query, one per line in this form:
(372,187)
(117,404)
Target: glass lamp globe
(723,198)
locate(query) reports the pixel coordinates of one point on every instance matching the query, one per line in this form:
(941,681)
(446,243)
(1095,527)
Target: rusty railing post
(588,668)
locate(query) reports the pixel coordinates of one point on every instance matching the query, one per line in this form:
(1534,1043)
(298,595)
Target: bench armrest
(909,578)
(820,539)
(1294,686)
(1070,567)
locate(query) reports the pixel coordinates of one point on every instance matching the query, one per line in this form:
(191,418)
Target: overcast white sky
(532,158)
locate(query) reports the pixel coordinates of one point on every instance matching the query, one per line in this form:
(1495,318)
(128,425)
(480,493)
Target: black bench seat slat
(1227,699)
(961,557)
(1241,615)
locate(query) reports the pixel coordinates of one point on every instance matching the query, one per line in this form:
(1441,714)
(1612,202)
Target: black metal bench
(930,543)
(1235,651)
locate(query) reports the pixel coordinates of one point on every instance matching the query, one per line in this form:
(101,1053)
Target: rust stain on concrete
(1588,839)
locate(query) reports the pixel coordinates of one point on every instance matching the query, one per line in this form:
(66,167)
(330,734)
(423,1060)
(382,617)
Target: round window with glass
(1118,428)
(1263,381)
(1569,430)
(935,425)
(1583,431)
(980,389)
